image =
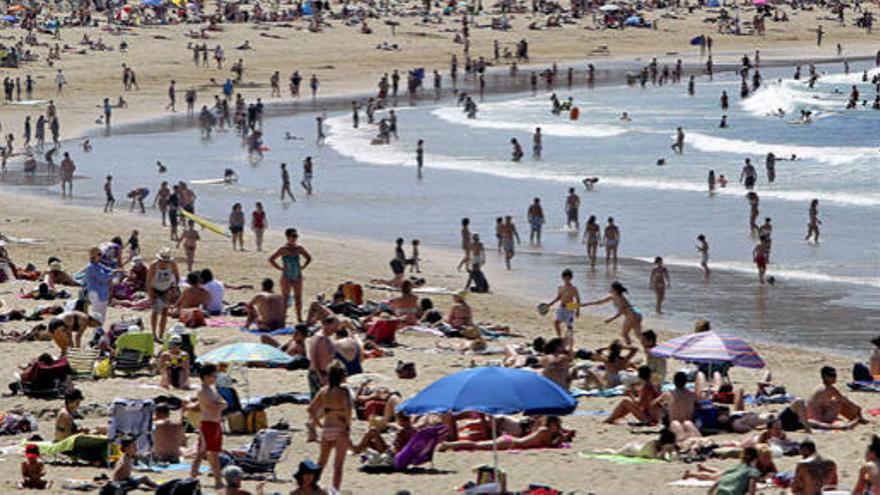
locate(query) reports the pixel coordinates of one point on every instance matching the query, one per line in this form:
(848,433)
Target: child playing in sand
(569,300)
(33,470)
(122,475)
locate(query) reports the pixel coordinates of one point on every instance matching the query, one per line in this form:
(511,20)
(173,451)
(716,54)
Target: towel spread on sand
(619,459)
(595,392)
(280,331)
(223,322)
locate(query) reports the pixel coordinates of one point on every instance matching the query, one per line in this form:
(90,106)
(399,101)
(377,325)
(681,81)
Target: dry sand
(347,62)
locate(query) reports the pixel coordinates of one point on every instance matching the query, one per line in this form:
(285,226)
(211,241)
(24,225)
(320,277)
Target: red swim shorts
(212,436)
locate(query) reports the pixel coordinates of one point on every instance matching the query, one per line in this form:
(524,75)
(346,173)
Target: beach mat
(620,459)
(595,392)
(280,331)
(162,468)
(223,322)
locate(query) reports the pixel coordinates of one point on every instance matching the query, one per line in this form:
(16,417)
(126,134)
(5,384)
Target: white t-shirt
(215,302)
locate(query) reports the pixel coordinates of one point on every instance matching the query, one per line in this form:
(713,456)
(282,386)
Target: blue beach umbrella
(246,353)
(10,18)
(711,348)
(151,3)
(492,390)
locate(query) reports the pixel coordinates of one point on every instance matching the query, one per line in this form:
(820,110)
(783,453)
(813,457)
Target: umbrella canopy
(246,353)
(609,8)
(710,347)
(759,2)
(492,390)
(151,3)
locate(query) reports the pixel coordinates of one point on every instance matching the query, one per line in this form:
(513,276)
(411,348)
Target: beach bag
(861,373)
(406,371)
(103,368)
(382,331)
(185,486)
(235,423)
(256,420)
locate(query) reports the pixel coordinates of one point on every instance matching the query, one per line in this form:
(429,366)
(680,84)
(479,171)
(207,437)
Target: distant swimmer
(661,162)
(517,152)
(87,145)
(624,117)
(229,176)
(290,137)
(590,183)
(723,123)
(162,168)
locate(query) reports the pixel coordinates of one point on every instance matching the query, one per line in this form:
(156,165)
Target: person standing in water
(678,145)
(591,239)
(535,216)
(308,174)
(659,281)
(508,235)
(420,157)
(291,269)
(761,256)
(703,249)
(749,175)
(285,184)
(499,226)
(572,209)
(612,242)
(108,191)
(754,201)
(711,181)
(537,145)
(569,300)
(321,137)
(814,223)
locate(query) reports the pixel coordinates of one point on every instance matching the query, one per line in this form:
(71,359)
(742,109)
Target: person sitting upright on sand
(267,310)
(828,408)
(814,473)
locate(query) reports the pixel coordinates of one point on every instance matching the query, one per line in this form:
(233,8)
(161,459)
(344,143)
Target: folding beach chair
(134,352)
(132,418)
(82,361)
(264,452)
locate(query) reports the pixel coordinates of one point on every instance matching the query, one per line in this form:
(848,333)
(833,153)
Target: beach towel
(161,468)
(595,392)
(751,400)
(872,386)
(223,322)
(590,412)
(425,330)
(620,459)
(691,483)
(280,331)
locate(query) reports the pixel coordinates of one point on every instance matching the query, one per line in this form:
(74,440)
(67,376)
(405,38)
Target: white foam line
(832,155)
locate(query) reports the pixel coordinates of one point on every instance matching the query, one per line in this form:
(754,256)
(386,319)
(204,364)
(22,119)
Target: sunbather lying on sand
(548,434)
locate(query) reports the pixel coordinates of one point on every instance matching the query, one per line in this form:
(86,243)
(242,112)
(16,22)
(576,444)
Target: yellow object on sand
(213,227)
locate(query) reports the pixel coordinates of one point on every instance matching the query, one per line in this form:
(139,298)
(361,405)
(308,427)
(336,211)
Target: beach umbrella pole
(494,450)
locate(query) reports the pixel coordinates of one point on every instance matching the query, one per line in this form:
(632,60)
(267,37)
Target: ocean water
(826,295)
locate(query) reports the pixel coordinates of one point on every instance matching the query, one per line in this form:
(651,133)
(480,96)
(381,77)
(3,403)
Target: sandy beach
(348,63)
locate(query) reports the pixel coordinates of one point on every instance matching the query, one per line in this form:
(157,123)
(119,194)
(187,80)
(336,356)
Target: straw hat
(164,254)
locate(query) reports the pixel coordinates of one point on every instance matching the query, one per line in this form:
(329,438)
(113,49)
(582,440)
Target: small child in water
(33,470)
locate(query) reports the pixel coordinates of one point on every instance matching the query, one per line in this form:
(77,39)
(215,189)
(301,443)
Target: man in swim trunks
(535,215)
(210,405)
(828,408)
(749,175)
(659,281)
(291,271)
(285,183)
(612,241)
(67,170)
(508,235)
(267,310)
(572,207)
(569,300)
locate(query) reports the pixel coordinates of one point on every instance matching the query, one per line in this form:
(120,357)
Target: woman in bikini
(331,410)
(291,269)
(591,239)
(460,316)
(632,317)
(547,435)
(406,306)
